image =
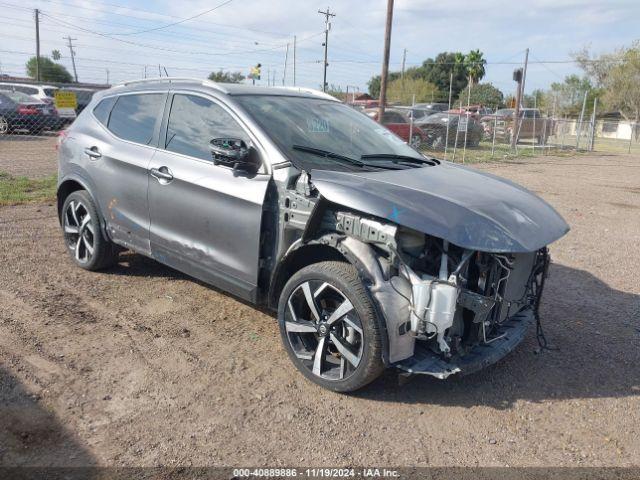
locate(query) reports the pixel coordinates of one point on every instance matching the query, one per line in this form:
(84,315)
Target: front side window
(194,121)
(133,117)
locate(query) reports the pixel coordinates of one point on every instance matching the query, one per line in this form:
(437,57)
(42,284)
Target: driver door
(205,219)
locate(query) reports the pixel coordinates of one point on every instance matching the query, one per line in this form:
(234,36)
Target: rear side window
(133,117)
(27,90)
(103,109)
(195,121)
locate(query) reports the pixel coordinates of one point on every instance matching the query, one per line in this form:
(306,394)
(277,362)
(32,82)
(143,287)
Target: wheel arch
(66,188)
(299,256)
(73,184)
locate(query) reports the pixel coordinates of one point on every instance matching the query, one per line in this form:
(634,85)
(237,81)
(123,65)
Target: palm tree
(475,66)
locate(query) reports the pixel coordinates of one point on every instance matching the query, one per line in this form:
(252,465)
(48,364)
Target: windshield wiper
(403,158)
(328,154)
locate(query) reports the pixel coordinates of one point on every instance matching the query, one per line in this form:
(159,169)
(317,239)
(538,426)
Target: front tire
(86,244)
(330,328)
(4,125)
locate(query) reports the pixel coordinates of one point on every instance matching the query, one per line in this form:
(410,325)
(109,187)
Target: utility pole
(385,61)
(524,74)
(107,76)
(286,58)
(294,60)
(37,45)
(519,77)
(327,26)
(404,59)
(73,55)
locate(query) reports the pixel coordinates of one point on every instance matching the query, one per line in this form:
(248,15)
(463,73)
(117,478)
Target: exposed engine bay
(443,305)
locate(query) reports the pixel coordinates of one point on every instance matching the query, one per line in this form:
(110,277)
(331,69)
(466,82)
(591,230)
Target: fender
(87,184)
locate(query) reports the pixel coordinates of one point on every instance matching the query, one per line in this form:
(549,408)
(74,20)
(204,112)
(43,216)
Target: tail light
(27,110)
(62,136)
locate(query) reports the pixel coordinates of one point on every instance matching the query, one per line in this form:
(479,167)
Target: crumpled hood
(471,209)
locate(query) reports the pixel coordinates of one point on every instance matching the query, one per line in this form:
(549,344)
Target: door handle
(93,152)
(162,174)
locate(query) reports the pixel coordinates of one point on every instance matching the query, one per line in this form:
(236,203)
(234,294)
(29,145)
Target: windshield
(322,125)
(505,111)
(18,97)
(49,92)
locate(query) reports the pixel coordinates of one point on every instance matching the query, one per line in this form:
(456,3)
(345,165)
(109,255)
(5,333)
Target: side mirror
(235,153)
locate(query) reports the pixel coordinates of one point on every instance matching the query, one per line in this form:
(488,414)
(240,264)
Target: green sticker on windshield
(317,125)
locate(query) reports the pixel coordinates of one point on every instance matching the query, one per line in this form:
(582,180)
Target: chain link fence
(29,108)
(477,134)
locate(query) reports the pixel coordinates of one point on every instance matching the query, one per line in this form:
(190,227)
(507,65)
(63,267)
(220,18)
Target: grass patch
(17,190)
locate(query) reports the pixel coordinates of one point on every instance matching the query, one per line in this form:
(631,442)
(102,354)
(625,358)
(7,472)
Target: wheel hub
(323,330)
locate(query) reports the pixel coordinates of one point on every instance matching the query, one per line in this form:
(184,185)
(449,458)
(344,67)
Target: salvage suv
(371,254)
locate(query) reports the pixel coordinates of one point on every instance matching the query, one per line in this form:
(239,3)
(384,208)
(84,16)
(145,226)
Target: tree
(475,63)
(483,94)
(438,71)
(226,77)
(374,83)
(403,89)
(597,68)
(49,70)
(621,83)
(566,98)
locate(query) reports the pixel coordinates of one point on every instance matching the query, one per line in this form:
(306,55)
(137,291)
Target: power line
(156,47)
(179,21)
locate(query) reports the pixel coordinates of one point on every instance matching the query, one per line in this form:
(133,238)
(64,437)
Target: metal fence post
(592,138)
(413,103)
(579,130)
(495,124)
(455,145)
(467,118)
(446,139)
(633,127)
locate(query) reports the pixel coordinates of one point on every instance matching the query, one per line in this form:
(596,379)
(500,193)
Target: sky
(129,38)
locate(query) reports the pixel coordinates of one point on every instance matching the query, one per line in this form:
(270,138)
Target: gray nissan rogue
(371,254)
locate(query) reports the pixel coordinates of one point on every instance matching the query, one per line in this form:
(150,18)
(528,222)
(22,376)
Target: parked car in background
(45,93)
(532,125)
(491,120)
(398,123)
(83,96)
(20,112)
(423,110)
(449,128)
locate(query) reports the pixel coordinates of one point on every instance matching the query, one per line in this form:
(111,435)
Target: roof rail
(207,83)
(310,91)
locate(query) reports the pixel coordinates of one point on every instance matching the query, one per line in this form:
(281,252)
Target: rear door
(205,218)
(117,161)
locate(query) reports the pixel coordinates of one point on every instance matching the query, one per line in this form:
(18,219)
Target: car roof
(224,88)
(18,84)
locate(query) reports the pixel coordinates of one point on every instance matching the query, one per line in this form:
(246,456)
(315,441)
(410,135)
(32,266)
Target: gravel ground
(140,365)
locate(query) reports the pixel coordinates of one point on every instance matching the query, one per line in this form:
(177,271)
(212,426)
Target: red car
(397,122)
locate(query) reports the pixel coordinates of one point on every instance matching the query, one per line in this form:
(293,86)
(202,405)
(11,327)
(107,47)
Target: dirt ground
(140,365)
(28,155)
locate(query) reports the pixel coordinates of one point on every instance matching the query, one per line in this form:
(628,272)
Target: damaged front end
(447,309)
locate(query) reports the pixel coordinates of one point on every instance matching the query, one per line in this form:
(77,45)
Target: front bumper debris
(509,335)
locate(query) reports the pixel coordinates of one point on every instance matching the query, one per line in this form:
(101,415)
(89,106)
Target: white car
(46,94)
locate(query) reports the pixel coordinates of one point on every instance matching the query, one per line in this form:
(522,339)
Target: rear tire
(339,346)
(87,246)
